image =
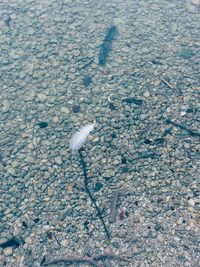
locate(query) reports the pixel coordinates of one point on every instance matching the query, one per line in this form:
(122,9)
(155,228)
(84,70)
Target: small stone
(195,2)
(50,191)
(156,82)
(43,124)
(98,186)
(58,160)
(5,106)
(11,171)
(191,202)
(30,95)
(64,110)
(191,8)
(69,189)
(64,243)
(146,94)
(42,97)
(87,80)
(29,159)
(76,108)
(8,251)
(28,240)
(55,119)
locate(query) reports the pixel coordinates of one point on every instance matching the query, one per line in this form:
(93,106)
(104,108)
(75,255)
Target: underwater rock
(76,108)
(87,80)
(43,124)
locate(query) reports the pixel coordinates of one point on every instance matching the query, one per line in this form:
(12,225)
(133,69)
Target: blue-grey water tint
(133,67)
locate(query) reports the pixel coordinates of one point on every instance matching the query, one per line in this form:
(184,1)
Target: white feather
(79,137)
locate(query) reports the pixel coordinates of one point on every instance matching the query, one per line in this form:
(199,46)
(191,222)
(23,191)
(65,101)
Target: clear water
(131,66)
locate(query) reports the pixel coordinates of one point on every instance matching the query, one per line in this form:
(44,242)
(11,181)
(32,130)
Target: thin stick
(191,132)
(89,193)
(113,209)
(109,256)
(168,84)
(76,259)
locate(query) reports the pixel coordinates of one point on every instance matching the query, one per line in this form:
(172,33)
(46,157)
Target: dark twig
(191,132)
(75,259)
(113,208)
(93,261)
(89,193)
(110,257)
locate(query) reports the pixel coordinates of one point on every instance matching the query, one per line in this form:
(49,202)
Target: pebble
(195,2)
(50,191)
(146,94)
(49,89)
(64,243)
(191,202)
(11,171)
(8,251)
(5,106)
(64,110)
(42,97)
(58,160)
(28,240)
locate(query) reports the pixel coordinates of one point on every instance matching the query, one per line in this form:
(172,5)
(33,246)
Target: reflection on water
(133,67)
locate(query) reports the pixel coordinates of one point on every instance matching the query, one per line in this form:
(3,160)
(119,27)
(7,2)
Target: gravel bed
(146,141)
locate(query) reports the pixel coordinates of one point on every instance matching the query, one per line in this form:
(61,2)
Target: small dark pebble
(24,224)
(36,220)
(181,258)
(76,108)
(195,193)
(167,131)
(147,141)
(8,20)
(113,135)
(132,100)
(43,124)
(98,186)
(112,106)
(159,141)
(72,229)
(124,160)
(121,215)
(86,225)
(50,235)
(158,226)
(191,110)
(87,80)
(156,62)
(125,170)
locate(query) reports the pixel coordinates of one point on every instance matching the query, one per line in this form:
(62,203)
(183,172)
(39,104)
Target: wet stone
(43,124)
(76,108)
(8,251)
(87,80)
(98,186)
(5,106)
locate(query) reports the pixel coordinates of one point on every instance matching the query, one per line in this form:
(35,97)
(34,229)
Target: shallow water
(133,67)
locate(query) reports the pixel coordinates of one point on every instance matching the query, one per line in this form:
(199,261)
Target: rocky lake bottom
(133,68)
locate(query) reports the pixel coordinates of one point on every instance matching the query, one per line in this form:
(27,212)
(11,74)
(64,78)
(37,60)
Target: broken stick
(113,208)
(68,260)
